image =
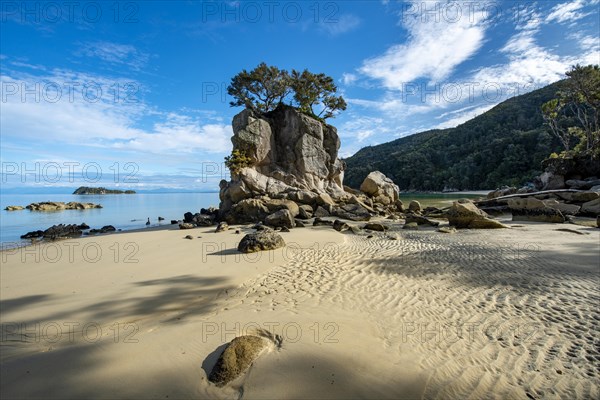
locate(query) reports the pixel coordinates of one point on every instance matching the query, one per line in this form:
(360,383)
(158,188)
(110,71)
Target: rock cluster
(580,173)
(58,206)
(57,232)
(546,206)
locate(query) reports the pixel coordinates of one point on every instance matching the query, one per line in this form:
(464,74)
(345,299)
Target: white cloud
(435,47)
(115,53)
(570,11)
(342,24)
(44,116)
(529,65)
(348,79)
(463,116)
(361,128)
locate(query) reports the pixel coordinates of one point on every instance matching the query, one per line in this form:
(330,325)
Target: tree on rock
(265,87)
(312,89)
(261,89)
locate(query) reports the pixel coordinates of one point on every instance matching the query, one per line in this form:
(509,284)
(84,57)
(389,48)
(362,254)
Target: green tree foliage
(236,161)
(313,89)
(265,87)
(574,114)
(261,89)
(504,146)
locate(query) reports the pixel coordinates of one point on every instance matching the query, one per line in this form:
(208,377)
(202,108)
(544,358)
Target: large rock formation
(293,162)
(290,152)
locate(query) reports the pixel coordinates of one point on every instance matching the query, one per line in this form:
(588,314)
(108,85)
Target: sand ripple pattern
(490,318)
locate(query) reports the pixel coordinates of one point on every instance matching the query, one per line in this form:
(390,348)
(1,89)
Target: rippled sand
(404,314)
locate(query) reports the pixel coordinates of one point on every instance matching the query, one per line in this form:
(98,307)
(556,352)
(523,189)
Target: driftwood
(509,196)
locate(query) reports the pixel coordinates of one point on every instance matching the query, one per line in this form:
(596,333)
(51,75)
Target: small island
(101,190)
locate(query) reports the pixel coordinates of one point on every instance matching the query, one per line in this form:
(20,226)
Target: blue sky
(133,94)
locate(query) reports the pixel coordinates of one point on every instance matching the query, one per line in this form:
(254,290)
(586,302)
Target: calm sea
(131,211)
(123,211)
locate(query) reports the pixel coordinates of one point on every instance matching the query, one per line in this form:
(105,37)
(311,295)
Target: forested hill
(503,146)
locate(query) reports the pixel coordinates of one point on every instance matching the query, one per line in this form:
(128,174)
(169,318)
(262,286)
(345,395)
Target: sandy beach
(508,313)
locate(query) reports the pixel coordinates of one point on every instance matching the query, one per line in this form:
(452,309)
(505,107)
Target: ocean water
(123,211)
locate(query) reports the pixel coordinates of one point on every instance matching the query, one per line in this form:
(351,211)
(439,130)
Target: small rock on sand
(236,358)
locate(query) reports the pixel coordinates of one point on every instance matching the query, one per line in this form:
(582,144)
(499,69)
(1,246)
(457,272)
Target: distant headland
(101,190)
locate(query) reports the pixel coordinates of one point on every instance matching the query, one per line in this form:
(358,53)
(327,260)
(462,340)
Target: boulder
(281,204)
(464,214)
(352,212)
(414,206)
(532,209)
(186,225)
(281,218)
(198,219)
(325,200)
(236,358)
(340,226)
(222,227)
(303,196)
(320,222)
(321,212)
(582,185)
(305,212)
(375,226)
(565,209)
(579,197)
(299,224)
(591,207)
(14,208)
(550,181)
(261,240)
(381,188)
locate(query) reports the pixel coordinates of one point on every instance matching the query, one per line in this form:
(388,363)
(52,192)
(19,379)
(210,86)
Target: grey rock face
(293,156)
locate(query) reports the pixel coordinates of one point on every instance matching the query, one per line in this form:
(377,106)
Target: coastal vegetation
(507,145)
